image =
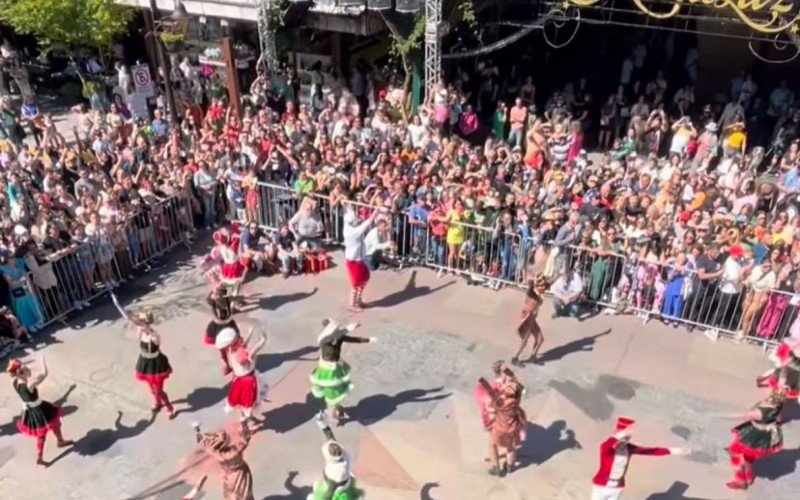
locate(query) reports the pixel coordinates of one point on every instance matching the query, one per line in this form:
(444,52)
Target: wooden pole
(232,76)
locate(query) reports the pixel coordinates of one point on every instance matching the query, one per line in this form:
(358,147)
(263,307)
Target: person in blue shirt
(418,218)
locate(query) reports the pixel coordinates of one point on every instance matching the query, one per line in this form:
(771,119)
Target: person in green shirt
(499,121)
(304,183)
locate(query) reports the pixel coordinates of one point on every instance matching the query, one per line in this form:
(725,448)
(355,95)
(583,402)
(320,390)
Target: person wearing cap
(615,455)
(707,145)
(337,482)
(330,380)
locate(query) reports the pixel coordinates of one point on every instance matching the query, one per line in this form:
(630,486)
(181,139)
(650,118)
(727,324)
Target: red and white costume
(243,393)
(615,455)
(786,374)
(229,267)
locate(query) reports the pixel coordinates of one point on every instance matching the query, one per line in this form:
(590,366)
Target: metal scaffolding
(433,53)
(268,60)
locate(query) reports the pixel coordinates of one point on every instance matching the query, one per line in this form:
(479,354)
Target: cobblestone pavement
(415,430)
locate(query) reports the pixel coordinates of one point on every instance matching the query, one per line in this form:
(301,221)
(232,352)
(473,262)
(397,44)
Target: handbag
(18,292)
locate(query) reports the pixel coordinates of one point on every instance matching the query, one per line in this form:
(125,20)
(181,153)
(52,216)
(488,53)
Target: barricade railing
(620,284)
(614,282)
(69,279)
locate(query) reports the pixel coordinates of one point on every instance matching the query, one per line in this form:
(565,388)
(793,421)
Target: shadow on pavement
(379,406)
(776,466)
(543,443)
(99,440)
(425,492)
(275,302)
(285,418)
(583,344)
(270,360)
(200,398)
(675,492)
(295,492)
(410,292)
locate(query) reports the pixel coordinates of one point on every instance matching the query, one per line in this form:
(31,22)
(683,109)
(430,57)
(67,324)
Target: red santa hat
(624,422)
(222,237)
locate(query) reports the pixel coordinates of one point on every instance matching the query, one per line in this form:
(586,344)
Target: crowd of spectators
(684,210)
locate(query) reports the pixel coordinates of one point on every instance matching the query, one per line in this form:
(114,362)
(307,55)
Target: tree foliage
(69,24)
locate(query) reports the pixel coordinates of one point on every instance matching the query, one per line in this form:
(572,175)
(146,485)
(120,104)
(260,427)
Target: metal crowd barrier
(613,283)
(622,284)
(70,279)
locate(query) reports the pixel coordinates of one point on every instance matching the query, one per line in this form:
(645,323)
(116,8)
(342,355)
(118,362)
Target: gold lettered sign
(764,16)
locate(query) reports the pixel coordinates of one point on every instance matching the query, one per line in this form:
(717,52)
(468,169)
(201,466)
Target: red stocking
(155,390)
(39,448)
(160,396)
(747,470)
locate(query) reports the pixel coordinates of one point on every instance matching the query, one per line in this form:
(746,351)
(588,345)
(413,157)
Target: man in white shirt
(730,289)
(567,294)
(377,241)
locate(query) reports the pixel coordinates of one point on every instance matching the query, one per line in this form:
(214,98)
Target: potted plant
(172,41)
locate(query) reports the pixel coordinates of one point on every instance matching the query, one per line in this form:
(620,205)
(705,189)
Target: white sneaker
(32,329)
(712,334)
(86,303)
(77,305)
(646,319)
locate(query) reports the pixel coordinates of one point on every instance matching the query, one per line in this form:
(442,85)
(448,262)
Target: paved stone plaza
(415,431)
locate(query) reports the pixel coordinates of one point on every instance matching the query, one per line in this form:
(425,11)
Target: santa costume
(786,374)
(229,267)
(755,438)
(354,252)
(336,483)
(38,417)
(245,392)
(615,455)
(222,309)
(330,380)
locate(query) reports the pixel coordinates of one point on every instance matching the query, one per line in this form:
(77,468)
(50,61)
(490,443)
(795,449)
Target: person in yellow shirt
(455,230)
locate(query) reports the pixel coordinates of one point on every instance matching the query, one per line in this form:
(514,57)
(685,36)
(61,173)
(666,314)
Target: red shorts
(244,391)
(358,271)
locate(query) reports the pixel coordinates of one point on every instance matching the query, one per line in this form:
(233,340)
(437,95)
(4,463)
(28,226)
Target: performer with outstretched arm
(245,393)
(506,420)
(336,482)
(153,366)
(354,252)
(330,380)
(615,455)
(222,309)
(237,480)
(760,435)
(38,416)
(528,327)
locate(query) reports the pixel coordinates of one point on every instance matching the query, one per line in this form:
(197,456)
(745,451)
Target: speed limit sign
(142,80)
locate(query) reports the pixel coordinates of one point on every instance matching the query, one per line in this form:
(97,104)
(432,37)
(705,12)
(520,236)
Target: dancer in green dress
(336,482)
(330,380)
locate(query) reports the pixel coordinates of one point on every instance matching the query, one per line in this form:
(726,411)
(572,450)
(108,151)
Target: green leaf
(70,24)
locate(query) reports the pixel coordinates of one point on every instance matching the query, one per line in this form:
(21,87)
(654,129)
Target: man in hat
(354,254)
(615,455)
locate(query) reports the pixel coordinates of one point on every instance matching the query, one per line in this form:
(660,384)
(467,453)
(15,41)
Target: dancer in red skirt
(757,437)
(222,309)
(244,393)
(786,374)
(38,416)
(153,366)
(228,267)
(354,252)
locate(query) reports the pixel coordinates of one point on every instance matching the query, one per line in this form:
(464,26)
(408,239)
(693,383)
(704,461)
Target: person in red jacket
(615,455)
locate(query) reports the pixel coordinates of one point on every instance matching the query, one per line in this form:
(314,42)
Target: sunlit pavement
(415,430)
